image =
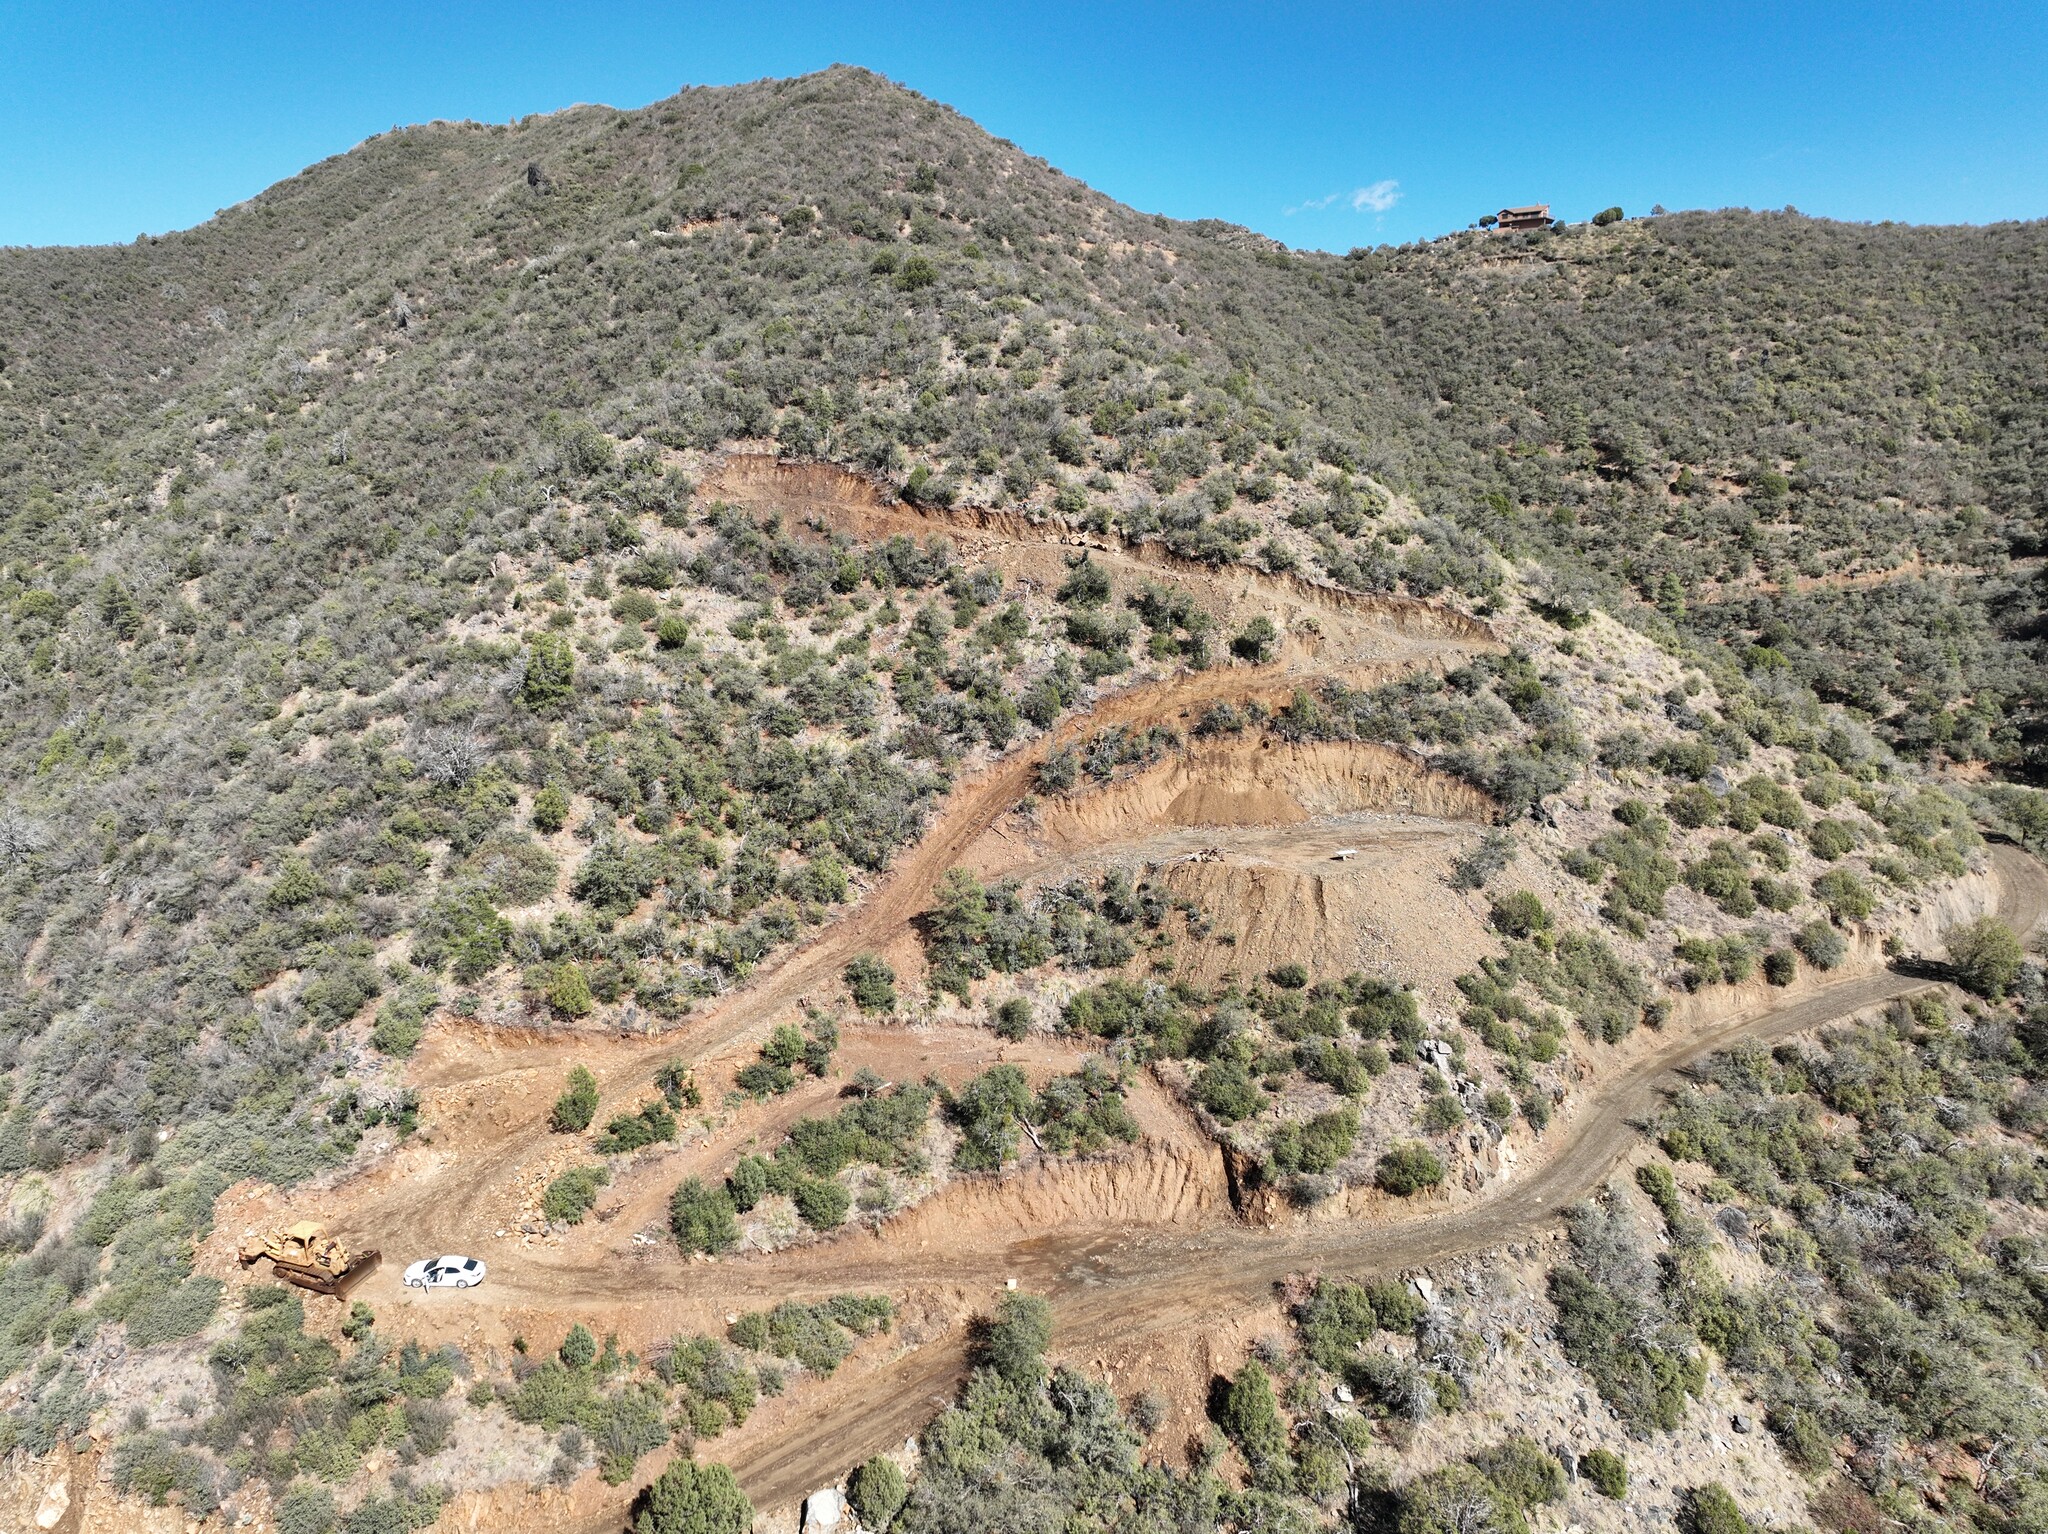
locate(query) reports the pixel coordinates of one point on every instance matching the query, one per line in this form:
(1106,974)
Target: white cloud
(1377,198)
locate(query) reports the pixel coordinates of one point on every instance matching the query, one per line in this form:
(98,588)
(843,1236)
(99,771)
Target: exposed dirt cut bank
(1319,624)
(1259,781)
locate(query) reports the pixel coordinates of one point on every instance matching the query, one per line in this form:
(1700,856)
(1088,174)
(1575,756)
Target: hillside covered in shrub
(372,647)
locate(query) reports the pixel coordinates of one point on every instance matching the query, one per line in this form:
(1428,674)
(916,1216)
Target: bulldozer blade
(335,1285)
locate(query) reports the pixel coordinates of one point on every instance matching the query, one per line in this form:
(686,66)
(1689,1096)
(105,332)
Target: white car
(445,1273)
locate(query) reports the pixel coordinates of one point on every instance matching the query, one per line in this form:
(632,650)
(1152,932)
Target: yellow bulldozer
(304,1254)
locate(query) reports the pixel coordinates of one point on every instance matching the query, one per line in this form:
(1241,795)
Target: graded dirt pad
(1390,913)
(1247,829)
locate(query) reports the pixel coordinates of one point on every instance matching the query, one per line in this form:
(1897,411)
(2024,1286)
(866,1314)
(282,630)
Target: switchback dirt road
(1117,1276)
(455,1200)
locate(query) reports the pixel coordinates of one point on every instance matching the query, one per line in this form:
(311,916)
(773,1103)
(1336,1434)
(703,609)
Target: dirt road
(1115,1291)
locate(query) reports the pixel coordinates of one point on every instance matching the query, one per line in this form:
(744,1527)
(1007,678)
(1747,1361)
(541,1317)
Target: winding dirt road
(1110,1289)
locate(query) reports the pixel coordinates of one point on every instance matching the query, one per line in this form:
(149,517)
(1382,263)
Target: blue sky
(1324,125)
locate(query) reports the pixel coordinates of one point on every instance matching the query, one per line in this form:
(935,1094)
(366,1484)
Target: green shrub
(871,983)
(550,809)
(1831,839)
(1523,1469)
(1250,1418)
(877,1492)
(1986,956)
(614,877)
(306,1509)
(549,678)
(1441,1114)
(689,1498)
(1335,1319)
(570,1195)
(1799,1433)
(1820,944)
(513,868)
(1408,1168)
(752,1179)
(1227,1090)
(652,1124)
(1521,914)
(579,1348)
(1846,896)
(1781,966)
(822,1204)
(1454,1500)
(1016,1338)
(1013,1018)
(461,927)
(702,1218)
(1694,806)
(577,1105)
(764,1078)
(1709,1509)
(1655,1179)
(634,607)
(296,884)
(1315,1146)
(402,1020)
(989,1111)
(568,990)
(1607,1471)
(1689,759)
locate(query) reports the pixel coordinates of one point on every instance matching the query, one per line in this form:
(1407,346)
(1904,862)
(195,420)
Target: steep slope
(556,574)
